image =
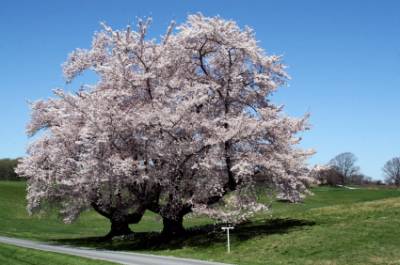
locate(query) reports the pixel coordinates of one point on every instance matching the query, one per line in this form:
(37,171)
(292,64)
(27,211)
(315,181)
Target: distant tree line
(7,167)
(343,170)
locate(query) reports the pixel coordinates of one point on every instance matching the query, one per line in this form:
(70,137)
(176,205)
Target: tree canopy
(175,126)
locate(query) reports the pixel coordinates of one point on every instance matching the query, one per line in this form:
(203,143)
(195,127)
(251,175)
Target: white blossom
(184,123)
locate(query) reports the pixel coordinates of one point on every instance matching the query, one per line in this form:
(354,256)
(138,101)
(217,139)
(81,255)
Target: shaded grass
(335,226)
(199,236)
(11,255)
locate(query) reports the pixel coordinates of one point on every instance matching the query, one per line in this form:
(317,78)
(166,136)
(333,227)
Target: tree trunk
(119,227)
(173,227)
(120,220)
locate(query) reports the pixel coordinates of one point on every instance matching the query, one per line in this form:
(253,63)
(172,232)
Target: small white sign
(227,228)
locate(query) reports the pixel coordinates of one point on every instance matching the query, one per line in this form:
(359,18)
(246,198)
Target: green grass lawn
(11,255)
(335,226)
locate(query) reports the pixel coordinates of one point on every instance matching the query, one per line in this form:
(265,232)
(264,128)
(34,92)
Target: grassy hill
(335,226)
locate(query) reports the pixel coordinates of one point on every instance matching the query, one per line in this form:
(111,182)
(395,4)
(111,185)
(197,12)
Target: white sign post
(227,228)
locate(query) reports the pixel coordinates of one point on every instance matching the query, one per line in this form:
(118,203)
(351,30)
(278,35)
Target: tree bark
(173,227)
(119,227)
(119,219)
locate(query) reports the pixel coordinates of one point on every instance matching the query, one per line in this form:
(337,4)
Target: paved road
(120,257)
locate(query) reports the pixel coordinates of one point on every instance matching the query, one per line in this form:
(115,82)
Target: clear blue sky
(343,56)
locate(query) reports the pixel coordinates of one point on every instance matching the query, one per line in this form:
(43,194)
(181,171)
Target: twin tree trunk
(171,227)
(120,222)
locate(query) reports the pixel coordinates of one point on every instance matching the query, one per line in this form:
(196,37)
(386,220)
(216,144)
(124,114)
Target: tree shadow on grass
(198,237)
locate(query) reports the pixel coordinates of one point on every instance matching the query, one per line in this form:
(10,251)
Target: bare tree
(344,164)
(391,170)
